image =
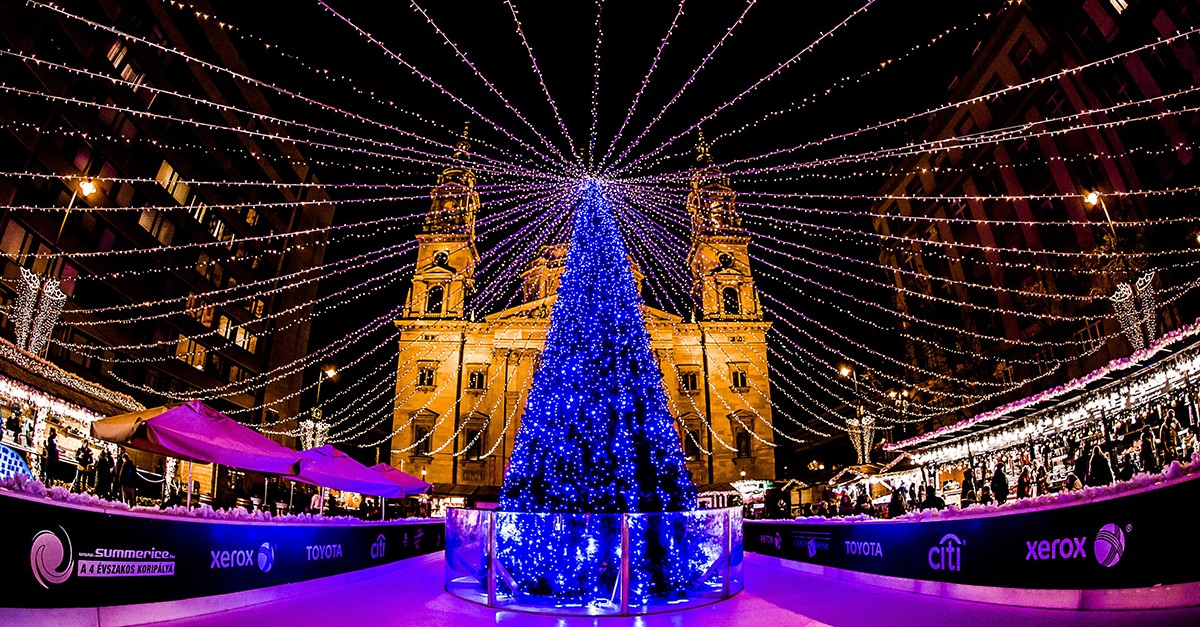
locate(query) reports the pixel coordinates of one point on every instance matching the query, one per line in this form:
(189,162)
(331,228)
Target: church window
(743,443)
(733,305)
(433,303)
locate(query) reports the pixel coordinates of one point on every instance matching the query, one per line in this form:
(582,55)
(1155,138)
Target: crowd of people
(1092,466)
(103,475)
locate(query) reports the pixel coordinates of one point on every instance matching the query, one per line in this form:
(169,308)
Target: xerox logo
(378,547)
(1109,545)
(263,557)
(1062,548)
(869,549)
(947,555)
(50,560)
(772,540)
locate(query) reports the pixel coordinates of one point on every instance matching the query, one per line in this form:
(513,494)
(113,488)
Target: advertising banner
(67,556)
(1138,540)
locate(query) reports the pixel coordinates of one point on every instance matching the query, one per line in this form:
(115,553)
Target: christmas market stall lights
(1158,385)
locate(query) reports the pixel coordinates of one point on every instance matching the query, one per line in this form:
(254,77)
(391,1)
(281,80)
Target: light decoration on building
(1125,304)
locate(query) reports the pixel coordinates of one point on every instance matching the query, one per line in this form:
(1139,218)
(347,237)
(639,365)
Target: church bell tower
(722,285)
(444,275)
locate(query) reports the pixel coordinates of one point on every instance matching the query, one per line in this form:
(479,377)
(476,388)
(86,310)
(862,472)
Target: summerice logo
(50,560)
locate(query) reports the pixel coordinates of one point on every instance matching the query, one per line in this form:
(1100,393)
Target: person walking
(1000,483)
(968,482)
(1042,480)
(897,506)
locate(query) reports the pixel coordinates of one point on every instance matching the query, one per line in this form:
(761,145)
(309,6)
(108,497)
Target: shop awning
(328,467)
(194,431)
(408,483)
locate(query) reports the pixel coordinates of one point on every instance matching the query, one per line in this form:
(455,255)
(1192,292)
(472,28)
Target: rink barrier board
(65,555)
(1126,551)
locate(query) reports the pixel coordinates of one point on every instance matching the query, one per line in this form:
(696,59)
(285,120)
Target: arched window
(421,439)
(691,444)
(743,443)
(733,304)
(433,304)
(474,439)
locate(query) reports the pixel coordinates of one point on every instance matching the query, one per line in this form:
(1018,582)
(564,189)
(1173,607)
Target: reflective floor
(775,596)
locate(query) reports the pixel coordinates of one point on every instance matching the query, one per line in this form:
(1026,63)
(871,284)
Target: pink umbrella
(409,483)
(328,467)
(196,432)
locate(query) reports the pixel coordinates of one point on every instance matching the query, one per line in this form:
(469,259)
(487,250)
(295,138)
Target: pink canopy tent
(328,467)
(409,483)
(196,432)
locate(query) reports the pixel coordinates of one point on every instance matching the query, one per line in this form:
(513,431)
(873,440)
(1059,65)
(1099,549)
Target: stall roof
(1165,347)
(195,431)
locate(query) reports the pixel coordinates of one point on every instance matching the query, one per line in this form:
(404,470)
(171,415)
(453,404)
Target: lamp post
(313,431)
(87,188)
(860,435)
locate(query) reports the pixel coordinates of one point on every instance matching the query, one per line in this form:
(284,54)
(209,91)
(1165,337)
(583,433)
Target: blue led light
(596,436)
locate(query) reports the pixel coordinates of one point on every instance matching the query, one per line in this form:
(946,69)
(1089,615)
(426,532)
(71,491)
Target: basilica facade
(462,380)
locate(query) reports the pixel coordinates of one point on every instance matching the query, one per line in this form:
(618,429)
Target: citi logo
(771,540)
(870,549)
(947,555)
(323,552)
(263,557)
(1065,548)
(51,562)
(1110,544)
(378,547)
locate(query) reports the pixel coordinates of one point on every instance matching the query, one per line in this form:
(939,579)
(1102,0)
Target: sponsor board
(1105,544)
(84,557)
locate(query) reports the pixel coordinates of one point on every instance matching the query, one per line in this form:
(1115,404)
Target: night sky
(563,39)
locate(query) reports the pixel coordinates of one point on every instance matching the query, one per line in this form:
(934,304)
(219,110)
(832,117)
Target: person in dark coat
(968,482)
(127,475)
(1124,468)
(1081,464)
(1100,469)
(898,505)
(85,469)
(1000,484)
(845,507)
(1025,483)
(104,474)
(50,456)
(932,500)
(985,496)
(1149,457)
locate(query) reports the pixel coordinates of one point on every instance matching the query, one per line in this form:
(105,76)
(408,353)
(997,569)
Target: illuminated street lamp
(87,188)
(1134,298)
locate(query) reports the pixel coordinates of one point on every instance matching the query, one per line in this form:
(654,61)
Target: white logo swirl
(48,559)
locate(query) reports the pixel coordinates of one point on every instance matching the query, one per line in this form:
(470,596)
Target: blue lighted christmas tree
(596,436)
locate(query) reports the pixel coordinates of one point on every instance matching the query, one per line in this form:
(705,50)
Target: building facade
(96,125)
(461,383)
(1006,196)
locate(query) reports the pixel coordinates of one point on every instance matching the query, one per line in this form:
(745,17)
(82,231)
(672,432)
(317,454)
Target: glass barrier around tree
(594,564)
